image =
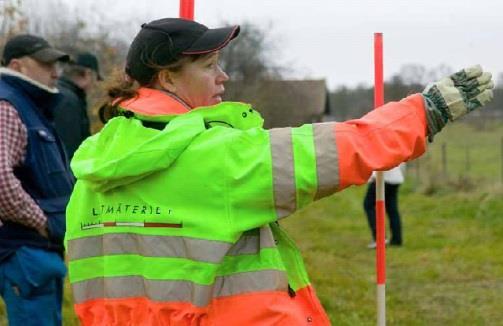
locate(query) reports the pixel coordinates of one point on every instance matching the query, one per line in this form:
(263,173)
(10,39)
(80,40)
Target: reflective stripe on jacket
(179,225)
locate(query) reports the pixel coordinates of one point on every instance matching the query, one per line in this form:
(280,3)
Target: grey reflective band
(251,244)
(209,251)
(179,291)
(283,171)
(327,159)
(148,246)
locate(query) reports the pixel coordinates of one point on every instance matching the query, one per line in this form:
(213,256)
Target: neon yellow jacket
(173,220)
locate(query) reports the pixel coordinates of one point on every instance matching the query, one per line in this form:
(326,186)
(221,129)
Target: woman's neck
(173,95)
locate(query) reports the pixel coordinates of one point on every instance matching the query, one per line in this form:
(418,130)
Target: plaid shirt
(15,203)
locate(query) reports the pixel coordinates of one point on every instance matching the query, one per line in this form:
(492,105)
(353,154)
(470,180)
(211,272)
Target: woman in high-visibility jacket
(173,220)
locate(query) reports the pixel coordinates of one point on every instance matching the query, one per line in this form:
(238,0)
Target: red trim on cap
(226,41)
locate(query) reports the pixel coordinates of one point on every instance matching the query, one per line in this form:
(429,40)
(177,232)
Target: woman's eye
(213,64)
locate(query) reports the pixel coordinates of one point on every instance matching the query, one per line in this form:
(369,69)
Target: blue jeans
(31,284)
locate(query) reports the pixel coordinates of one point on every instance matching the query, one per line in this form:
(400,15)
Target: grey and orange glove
(452,97)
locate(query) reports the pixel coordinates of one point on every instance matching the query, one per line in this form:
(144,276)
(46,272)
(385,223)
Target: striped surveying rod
(380,208)
(187,9)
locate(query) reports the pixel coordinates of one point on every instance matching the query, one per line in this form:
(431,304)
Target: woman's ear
(165,80)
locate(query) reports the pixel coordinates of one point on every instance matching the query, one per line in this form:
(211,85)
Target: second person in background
(70,116)
(392,180)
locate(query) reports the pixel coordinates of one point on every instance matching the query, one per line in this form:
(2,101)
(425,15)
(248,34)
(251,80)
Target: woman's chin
(212,101)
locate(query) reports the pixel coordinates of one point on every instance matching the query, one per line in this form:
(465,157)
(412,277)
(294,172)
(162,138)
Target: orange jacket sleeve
(382,139)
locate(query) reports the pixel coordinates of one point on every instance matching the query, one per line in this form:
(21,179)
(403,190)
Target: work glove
(452,97)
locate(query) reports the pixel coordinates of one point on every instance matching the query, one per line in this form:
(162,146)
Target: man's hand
(43,232)
(460,93)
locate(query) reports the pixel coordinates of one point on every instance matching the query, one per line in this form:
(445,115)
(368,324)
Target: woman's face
(200,83)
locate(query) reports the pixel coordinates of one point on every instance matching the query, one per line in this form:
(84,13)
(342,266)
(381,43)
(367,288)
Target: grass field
(450,269)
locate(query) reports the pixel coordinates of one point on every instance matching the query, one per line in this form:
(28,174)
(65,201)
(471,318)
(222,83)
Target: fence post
(501,160)
(468,162)
(444,159)
(418,169)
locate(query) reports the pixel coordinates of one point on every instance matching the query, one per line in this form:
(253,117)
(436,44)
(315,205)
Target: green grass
(449,272)
(450,269)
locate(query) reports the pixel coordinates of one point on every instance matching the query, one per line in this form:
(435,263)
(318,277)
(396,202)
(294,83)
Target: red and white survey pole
(187,9)
(380,208)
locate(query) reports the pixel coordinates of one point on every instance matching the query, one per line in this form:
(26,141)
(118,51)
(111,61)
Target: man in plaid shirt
(35,184)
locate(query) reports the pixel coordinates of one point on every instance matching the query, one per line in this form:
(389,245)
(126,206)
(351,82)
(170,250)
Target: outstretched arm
(316,160)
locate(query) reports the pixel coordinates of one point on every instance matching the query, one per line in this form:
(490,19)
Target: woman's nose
(222,76)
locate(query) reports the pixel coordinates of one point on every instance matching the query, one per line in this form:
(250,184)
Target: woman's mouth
(218,96)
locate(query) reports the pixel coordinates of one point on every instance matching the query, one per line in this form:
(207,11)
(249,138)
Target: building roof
(282,103)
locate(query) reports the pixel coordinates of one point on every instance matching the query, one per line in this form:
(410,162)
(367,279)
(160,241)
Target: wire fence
(464,166)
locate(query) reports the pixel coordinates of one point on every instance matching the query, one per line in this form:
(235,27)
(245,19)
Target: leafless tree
(415,74)
(251,56)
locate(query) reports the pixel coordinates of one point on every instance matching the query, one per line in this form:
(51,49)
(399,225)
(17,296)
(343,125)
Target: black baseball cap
(162,41)
(32,46)
(88,60)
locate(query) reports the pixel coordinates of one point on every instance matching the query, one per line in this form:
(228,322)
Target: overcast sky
(333,39)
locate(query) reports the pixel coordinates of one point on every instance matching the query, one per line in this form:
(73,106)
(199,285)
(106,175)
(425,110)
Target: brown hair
(123,87)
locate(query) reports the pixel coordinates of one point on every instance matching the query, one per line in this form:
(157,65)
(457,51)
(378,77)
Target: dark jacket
(44,174)
(70,116)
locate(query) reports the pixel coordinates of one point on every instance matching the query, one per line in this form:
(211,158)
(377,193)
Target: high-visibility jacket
(173,220)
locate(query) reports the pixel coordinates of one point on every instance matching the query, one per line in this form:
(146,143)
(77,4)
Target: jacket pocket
(54,209)
(50,152)
(32,269)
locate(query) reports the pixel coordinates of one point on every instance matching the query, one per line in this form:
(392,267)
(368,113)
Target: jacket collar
(12,73)
(70,85)
(43,97)
(152,102)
